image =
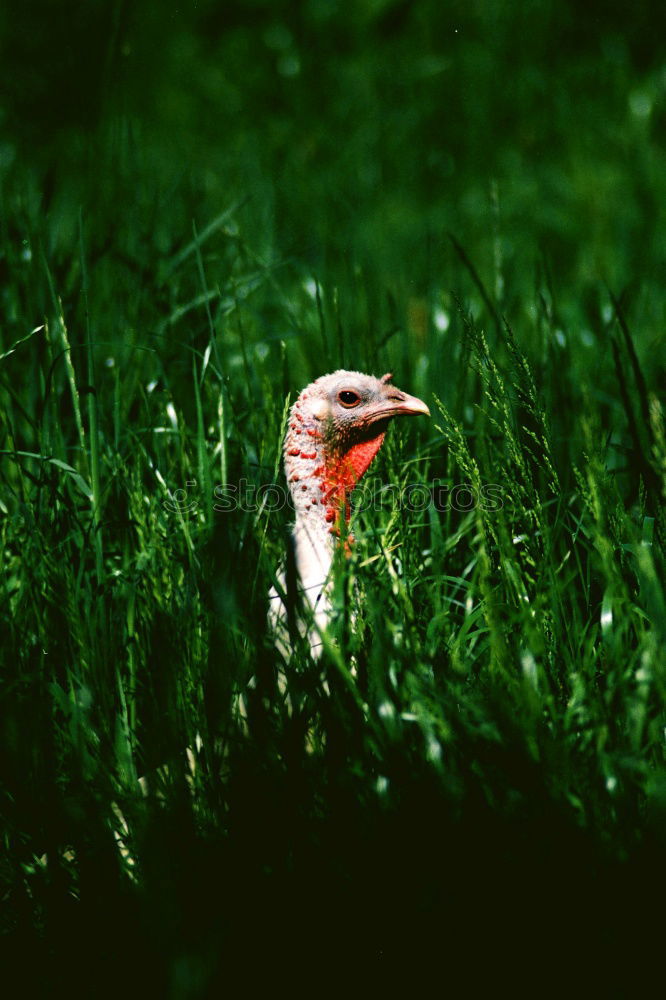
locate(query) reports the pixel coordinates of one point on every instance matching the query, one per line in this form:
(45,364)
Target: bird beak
(410,405)
(397,404)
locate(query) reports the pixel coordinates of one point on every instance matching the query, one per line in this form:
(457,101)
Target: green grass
(483,796)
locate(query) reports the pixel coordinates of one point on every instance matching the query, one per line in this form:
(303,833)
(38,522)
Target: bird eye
(349,398)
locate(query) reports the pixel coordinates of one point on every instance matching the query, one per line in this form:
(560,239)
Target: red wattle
(357,459)
(343,472)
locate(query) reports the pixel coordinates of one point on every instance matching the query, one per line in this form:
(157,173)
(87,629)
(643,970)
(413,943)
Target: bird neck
(322,470)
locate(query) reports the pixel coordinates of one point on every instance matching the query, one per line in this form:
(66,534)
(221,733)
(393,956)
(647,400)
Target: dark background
(395,119)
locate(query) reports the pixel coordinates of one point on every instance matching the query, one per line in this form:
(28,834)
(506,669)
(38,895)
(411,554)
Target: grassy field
(200,212)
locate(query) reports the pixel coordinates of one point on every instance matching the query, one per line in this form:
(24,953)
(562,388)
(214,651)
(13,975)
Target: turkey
(336,427)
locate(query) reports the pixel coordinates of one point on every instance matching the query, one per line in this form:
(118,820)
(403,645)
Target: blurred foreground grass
(199,215)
